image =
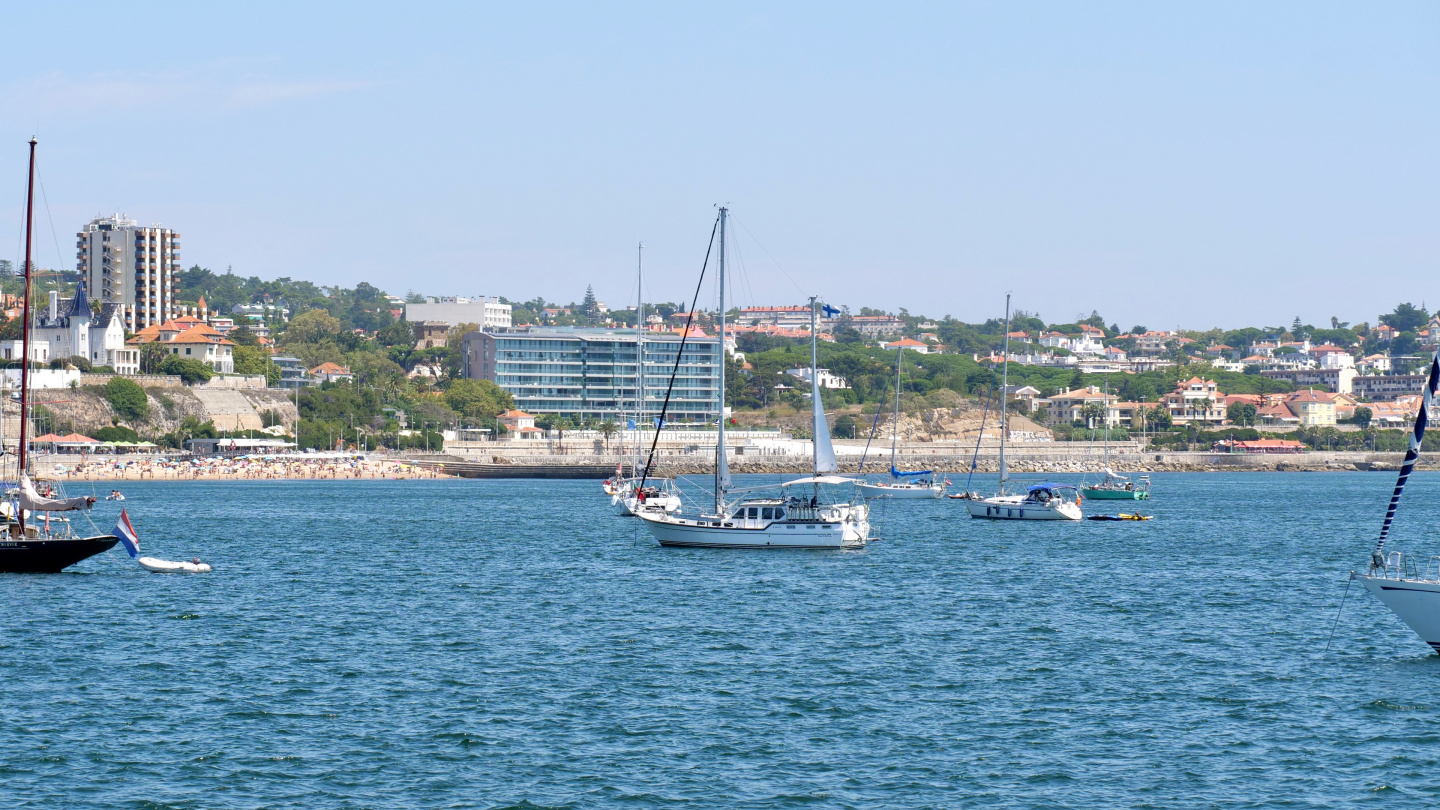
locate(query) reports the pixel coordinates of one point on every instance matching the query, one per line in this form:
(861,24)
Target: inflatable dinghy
(167,567)
(1120,517)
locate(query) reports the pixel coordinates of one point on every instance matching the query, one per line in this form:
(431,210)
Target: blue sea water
(512,644)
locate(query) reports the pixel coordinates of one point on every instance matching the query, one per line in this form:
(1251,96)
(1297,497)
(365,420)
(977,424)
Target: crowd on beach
(212,468)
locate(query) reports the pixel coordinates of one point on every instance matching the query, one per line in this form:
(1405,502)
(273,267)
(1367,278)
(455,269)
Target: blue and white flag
(629,424)
(659,423)
(829,311)
(127,535)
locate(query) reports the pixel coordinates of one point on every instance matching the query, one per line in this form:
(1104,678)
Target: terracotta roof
(329,368)
(515,414)
(906,342)
(192,336)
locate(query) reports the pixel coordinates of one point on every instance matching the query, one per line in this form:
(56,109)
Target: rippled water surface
(510,643)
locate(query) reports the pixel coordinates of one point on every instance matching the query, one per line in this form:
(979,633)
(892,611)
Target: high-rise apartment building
(591,373)
(131,266)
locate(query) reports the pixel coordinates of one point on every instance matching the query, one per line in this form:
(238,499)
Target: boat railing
(1399,565)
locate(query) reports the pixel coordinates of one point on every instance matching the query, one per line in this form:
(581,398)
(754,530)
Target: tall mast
(639,349)
(25,329)
(814,388)
(1004,392)
(895,429)
(1105,403)
(722,466)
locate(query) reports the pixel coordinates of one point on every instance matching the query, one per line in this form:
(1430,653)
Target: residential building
(292,371)
(783,317)
(1336,380)
(909,344)
(130,266)
(520,424)
(253,314)
(331,372)
(591,373)
(487,313)
(1195,400)
(1151,344)
(1312,408)
(1027,395)
(1374,364)
(1387,387)
(827,380)
(877,325)
(74,329)
(10,351)
(1069,406)
(1327,356)
(188,338)
(430,334)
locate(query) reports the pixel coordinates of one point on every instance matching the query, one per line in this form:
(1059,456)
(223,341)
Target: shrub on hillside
(117,433)
(191,371)
(127,398)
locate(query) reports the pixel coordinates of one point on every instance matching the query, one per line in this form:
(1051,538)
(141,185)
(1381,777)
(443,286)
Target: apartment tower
(132,266)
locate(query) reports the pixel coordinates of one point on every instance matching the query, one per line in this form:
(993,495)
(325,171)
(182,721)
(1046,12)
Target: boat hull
(1414,602)
(995,509)
(50,556)
(682,533)
(902,492)
(630,506)
(1115,494)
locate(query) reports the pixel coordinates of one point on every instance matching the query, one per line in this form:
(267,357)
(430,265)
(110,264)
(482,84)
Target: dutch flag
(127,535)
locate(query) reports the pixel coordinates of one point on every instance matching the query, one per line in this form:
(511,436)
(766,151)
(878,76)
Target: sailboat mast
(1004,392)
(722,472)
(639,350)
(25,329)
(895,428)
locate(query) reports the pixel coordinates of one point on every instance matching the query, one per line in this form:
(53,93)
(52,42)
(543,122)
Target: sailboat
(27,544)
(637,493)
(1411,592)
(792,521)
(1044,501)
(902,485)
(1115,487)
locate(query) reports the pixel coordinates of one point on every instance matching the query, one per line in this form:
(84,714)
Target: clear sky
(1168,164)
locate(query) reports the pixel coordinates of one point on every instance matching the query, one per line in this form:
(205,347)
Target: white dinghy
(159,566)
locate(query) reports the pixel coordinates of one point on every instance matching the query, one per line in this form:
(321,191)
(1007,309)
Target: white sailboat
(630,496)
(1408,584)
(1045,501)
(785,521)
(1112,485)
(902,485)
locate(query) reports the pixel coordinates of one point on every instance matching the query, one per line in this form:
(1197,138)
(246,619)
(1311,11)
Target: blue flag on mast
(829,311)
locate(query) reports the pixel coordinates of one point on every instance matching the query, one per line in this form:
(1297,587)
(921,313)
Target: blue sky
(1167,164)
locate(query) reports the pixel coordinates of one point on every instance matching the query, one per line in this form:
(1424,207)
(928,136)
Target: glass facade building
(591,373)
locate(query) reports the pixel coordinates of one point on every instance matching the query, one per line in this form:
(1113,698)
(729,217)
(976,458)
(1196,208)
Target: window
(768,513)
(754,512)
(187,350)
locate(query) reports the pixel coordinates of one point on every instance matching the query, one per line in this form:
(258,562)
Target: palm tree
(608,428)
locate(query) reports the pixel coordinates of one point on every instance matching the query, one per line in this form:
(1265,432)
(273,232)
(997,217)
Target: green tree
(189,370)
(152,357)
(1362,417)
(1159,418)
(313,326)
(478,398)
(255,361)
(844,427)
(116,433)
(127,399)
(1241,413)
(1404,343)
(1406,318)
